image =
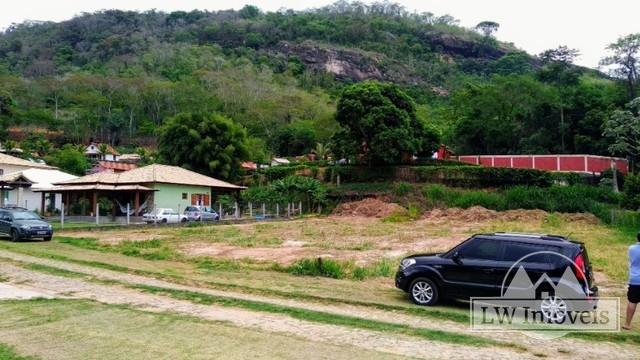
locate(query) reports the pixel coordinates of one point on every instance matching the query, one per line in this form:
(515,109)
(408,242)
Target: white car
(164,215)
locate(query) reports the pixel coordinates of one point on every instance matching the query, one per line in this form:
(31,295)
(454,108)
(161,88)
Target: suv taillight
(579,267)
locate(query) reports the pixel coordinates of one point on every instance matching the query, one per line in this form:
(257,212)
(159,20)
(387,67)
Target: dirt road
(115,293)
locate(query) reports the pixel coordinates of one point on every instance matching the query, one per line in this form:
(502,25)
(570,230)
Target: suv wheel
(15,236)
(47,238)
(554,309)
(423,291)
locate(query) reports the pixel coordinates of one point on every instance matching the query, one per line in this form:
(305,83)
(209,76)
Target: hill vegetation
(118,76)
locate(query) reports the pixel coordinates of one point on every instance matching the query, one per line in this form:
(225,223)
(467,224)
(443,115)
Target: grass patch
(214,264)
(630,338)
(8,353)
(558,198)
(340,269)
(153,249)
(411,213)
(85,243)
(53,271)
(325,318)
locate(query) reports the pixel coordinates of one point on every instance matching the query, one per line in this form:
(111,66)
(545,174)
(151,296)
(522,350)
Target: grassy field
(360,256)
(74,329)
(362,247)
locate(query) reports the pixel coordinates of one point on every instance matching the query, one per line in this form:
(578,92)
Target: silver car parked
(201,213)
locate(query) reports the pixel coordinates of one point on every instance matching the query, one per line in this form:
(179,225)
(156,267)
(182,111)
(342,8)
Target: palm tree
(322,151)
(9,145)
(103,150)
(42,147)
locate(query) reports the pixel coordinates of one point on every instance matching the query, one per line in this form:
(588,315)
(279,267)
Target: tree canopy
(487,28)
(623,130)
(207,143)
(69,159)
(624,59)
(378,122)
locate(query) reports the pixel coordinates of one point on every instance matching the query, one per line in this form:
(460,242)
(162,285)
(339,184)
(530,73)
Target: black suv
(20,223)
(483,265)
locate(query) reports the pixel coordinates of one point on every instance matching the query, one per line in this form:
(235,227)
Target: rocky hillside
(352,42)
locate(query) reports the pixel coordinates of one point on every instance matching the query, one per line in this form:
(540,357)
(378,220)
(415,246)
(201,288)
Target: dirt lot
(346,235)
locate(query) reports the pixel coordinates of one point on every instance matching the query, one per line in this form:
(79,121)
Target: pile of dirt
(581,217)
(472,214)
(369,207)
(479,213)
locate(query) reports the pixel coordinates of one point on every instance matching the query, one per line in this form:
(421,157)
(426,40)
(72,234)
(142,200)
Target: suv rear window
(515,251)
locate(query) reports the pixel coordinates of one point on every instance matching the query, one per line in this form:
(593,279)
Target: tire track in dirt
(563,347)
(113,294)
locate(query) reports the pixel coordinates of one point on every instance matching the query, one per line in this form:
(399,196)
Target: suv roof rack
(532,235)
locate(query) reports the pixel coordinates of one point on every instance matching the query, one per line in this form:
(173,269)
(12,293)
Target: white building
(19,177)
(93,153)
(25,185)
(9,164)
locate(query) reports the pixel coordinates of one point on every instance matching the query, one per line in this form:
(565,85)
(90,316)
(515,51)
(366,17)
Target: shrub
(438,195)
(282,171)
(402,189)
(485,199)
(318,267)
(631,197)
(577,198)
(475,176)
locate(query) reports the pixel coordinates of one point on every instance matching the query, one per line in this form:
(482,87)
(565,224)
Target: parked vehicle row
(20,223)
(171,216)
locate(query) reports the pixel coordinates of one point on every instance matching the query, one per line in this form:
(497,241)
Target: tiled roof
(154,173)
(12,160)
(115,165)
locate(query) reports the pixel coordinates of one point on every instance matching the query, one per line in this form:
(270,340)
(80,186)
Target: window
(515,251)
(482,249)
(184,196)
(1,171)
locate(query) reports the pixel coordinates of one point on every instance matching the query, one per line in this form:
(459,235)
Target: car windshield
(25,215)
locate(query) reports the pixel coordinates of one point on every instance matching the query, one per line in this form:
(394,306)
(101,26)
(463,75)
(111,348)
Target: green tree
(558,70)
(294,140)
(378,121)
(487,28)
(69,159)
(6,111)
(622,129)
(625,60)
(207,143)
(508,114)
(323,151)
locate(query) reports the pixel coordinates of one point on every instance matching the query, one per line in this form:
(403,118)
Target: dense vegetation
(118,76)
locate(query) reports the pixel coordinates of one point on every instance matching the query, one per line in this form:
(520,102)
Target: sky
(534,25)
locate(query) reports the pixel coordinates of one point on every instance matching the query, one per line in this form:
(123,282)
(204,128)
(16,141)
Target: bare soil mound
(369,207)
(472,214)
(479,213)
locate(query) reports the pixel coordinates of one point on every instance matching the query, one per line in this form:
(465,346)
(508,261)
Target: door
(5,222)
(476,272)
(174,216)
